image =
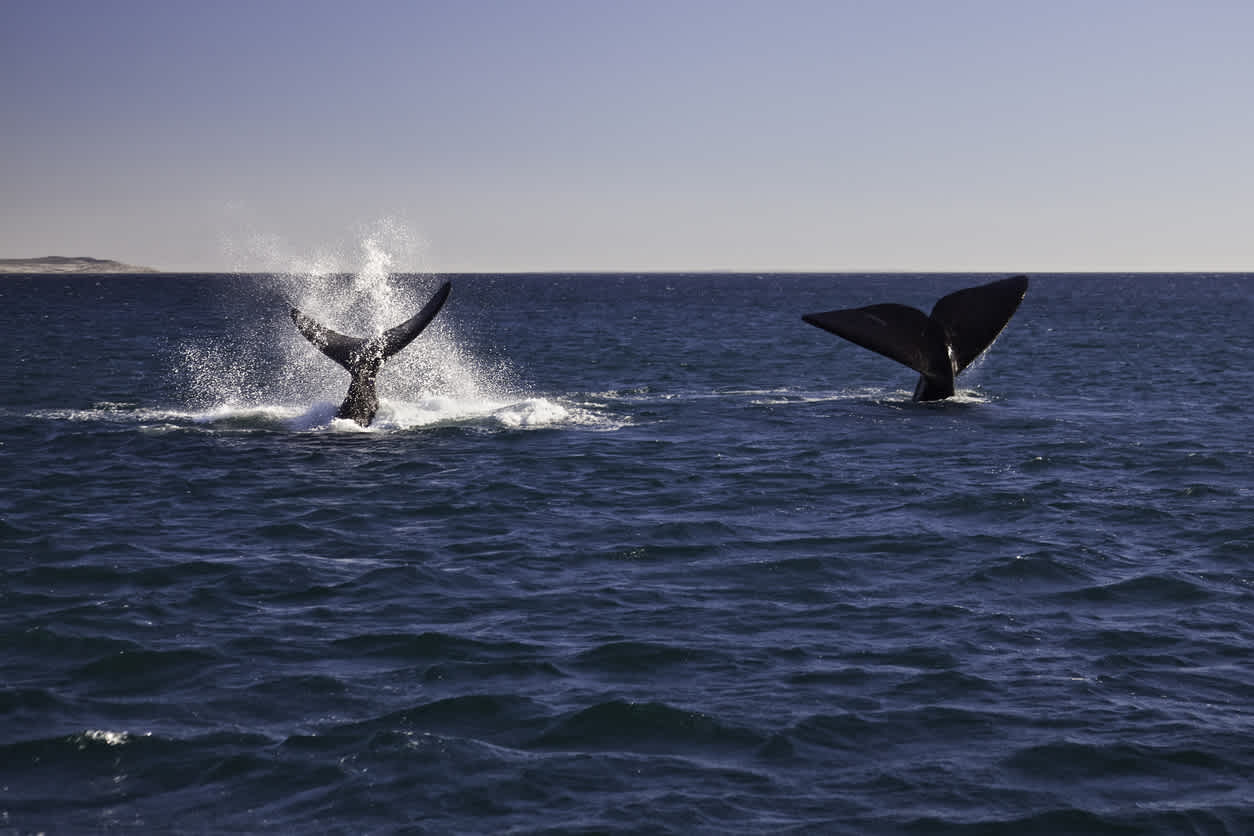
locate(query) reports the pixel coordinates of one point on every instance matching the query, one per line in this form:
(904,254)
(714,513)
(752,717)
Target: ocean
(624,554)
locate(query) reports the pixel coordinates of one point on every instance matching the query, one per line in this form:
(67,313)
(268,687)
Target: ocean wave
(641,726)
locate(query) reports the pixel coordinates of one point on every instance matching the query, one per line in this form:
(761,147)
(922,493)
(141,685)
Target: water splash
(439,378)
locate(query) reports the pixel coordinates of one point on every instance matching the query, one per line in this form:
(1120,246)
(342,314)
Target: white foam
(436,410)
(425,411)
(865,394)
(533,412)
(433,410)
(109,738)
(247,414)
(967,396)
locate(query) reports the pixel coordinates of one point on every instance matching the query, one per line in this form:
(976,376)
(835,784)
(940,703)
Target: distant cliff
(68,264)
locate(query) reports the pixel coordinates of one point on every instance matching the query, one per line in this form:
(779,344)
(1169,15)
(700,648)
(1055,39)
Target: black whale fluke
(939,346)
(364,356)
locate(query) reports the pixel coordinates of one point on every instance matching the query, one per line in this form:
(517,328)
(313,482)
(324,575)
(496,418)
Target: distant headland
(58,264)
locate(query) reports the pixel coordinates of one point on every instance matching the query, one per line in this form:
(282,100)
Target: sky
(651,135)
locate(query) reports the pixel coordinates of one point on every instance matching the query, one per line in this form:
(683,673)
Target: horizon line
(152,271)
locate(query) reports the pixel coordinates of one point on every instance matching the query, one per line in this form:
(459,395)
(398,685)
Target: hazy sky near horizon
(983,135)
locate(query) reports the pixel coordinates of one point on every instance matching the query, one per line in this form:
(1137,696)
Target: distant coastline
(60,264)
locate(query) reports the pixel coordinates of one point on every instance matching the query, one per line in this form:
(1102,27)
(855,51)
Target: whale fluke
(962,325)
(364,356)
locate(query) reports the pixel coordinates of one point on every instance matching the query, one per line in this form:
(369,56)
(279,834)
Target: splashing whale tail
(962,325)
(364,356)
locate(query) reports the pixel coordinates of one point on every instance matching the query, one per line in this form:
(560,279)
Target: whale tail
(364,356)
(961,326)
(354,352)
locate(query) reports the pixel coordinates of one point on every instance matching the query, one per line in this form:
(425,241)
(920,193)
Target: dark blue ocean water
(624,554)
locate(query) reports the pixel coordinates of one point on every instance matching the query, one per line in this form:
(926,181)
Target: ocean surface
(624,554)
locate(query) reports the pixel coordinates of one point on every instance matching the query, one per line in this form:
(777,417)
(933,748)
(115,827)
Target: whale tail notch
(961,326)
(364,356)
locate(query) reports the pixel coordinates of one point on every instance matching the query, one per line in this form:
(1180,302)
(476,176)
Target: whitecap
(109,738)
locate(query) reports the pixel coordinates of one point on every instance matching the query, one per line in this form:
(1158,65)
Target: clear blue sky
(600,134)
